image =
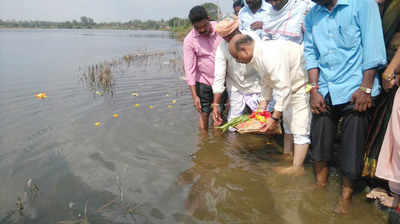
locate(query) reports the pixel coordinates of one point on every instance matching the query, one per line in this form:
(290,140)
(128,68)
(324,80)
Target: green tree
(212,10)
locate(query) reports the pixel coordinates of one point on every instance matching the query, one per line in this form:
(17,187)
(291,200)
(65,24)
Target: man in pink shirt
(199,49)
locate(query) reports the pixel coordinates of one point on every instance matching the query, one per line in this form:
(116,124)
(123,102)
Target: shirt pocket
(348,37)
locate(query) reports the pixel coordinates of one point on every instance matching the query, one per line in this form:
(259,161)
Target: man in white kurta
(242,81)
(280,65)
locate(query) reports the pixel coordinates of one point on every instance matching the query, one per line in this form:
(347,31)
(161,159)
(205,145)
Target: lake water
(146,165)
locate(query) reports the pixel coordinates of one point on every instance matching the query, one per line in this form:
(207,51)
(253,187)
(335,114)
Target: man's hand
(361,100)
(216,115)
(388,84)
(270,125)
(317,102)
(197,104)
(388,80)
(257,25)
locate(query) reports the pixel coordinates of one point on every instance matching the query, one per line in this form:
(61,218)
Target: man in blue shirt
(343,47)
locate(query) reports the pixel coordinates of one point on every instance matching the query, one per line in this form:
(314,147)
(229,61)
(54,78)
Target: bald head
(241,48)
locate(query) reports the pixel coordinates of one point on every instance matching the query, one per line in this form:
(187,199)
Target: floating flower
(40,96)
(169,106)
(115,115)
(167,94)
(150,107)
(97,124)
(137,105)
(173,101)
(135,94)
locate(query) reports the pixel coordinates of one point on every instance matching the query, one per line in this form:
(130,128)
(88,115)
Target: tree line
(175,24)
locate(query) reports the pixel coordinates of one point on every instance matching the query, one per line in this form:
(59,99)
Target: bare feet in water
(283,157)
(291,170)
(343,207)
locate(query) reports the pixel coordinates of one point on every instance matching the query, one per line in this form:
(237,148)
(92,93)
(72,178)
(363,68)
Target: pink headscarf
(227,26)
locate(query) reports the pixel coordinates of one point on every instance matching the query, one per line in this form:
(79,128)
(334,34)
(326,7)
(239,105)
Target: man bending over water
(280,64)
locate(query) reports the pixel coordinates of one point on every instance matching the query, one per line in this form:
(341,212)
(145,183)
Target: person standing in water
(343,47)
(199,49)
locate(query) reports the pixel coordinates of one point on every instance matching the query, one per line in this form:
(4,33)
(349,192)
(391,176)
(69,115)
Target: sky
(100,10)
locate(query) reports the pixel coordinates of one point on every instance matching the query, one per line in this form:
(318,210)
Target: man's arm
(278,70)
(311,55)
(219,82)
(190,65)
(374,53)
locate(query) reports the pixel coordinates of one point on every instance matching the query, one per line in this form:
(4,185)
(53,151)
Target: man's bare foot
(283,157)
(291,170)
(343,207)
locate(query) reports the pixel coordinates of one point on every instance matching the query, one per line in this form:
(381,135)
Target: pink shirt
(199,55)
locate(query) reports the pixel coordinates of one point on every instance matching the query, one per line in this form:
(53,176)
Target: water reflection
(223,189)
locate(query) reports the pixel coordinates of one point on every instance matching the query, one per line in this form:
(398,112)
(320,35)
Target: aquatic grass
(100,78)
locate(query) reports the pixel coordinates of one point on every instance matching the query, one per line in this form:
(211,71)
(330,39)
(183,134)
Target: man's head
(227,28)
(237,6)
(254,5)
(277,4)
(200,20)
(327,3)
(241,48)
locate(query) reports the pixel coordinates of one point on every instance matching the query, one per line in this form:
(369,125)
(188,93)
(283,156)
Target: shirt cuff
(218,90)
(312,65)
(278,107)
(374,64)
(191,82)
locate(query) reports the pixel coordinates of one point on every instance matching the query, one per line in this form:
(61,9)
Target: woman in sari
(384,135)
(381,114)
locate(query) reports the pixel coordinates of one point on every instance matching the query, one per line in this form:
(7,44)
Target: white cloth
(280,65)
(238,103)
(301,139)
(288,22)
(247,17)
(237,77)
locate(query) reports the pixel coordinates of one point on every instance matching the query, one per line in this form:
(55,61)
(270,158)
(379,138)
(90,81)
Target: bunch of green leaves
(234,122)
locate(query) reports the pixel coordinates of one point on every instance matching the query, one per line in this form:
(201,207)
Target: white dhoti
(239,101)
(297,118)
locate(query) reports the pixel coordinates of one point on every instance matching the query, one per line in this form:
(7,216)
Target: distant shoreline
(179,33)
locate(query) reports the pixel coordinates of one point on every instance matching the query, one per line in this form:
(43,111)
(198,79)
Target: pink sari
(388,167)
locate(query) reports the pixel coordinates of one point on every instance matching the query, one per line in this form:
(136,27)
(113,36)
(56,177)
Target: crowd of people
(321,68)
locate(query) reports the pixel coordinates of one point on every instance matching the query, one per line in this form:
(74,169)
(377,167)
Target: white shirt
(239,77)
(280,65)
(288,22)
(247,17)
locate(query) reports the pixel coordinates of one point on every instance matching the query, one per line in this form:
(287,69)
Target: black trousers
(354,127)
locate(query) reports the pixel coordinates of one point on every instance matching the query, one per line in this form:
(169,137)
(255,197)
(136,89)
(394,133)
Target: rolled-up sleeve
(190,62)
(311,53)
(220,70)
(374,52)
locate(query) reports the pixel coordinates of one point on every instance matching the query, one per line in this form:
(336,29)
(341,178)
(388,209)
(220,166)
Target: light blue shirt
(343,44)
(247,17)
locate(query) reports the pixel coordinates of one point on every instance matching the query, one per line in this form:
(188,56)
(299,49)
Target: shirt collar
(255,52)
(213,33)
(264,7)
(339,2)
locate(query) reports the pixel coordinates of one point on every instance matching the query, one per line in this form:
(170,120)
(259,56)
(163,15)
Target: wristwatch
(366,90)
